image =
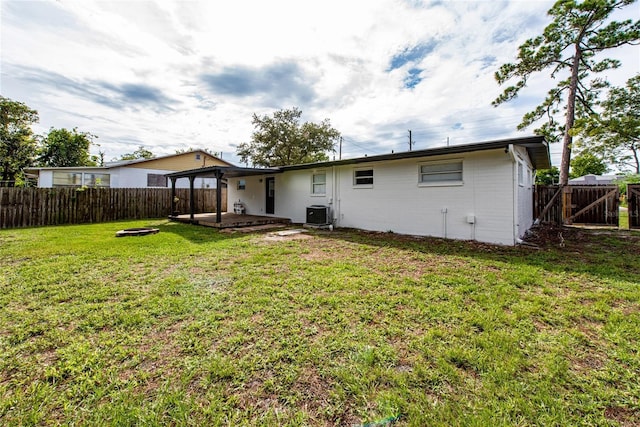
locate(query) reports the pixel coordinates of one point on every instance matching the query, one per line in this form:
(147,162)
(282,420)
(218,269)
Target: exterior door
(270,208)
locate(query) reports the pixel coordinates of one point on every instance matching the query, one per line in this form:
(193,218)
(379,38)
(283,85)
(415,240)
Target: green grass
(195,327)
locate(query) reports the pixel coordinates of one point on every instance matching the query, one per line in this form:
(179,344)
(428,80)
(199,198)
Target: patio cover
(217,172)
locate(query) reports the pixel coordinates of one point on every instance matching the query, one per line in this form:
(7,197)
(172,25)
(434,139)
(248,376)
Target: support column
(173,196)
(192,197)
(219,175)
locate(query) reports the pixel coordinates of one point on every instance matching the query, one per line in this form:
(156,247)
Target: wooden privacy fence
(29,207)
(597,205)
(633,199)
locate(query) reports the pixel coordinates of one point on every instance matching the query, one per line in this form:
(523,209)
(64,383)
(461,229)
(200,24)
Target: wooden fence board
(29,207)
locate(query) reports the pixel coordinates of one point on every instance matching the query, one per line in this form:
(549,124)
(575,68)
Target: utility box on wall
(318,215)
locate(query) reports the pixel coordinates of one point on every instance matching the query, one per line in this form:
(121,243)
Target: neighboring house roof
(593,180)
(136,162)
(536,146)
(170,162)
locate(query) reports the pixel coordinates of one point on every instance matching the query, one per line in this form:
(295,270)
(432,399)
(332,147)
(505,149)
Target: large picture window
(67,179)
(319,183)
(449,172)
(78,179)
(363,177)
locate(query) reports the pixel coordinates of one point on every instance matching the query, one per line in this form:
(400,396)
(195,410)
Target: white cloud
(177,74)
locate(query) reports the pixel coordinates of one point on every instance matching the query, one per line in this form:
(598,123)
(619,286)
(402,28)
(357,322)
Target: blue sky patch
(414,54)
(412,78)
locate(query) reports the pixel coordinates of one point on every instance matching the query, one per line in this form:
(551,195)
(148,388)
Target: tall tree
(615,132)
(63,147)
(579,31)
(281,140)
(140,153)
(17,144)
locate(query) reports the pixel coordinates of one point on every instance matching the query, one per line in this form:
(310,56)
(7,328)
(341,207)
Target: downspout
(335,200)
(514,183)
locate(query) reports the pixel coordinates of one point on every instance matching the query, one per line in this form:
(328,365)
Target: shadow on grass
(612,255)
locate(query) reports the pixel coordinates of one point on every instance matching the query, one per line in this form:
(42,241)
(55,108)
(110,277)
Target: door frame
(270,196)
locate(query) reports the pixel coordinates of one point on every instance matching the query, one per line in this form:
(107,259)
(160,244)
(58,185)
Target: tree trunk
(571,111)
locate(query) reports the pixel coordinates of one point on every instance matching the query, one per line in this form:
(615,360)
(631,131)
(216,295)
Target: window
(319,183)
(363,177)
(67,179)
(520,174)
(156,180)
(197,156)
(96,179)
(441,172)
(77,179)
(242,184)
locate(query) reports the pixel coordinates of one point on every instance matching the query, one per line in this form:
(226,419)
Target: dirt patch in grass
(625,416)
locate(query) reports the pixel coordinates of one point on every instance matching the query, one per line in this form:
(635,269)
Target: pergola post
(219,175)
(173,196)
(192,196)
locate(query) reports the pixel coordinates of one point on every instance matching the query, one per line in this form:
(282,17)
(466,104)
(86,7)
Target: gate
(633,198)
(597,205)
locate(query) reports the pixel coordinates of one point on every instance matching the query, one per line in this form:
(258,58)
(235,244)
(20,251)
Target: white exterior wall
(397,202)
(45,179)
(524,189)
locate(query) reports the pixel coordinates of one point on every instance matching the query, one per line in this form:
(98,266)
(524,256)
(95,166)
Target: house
(594,180)
(481,191)
(139,173)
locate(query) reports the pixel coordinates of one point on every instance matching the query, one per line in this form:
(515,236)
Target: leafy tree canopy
(548,176)
(568,47)
(281,140)
(140,153)
(615,133)
(587,163)
(17,144)
(64,148)
(627,179)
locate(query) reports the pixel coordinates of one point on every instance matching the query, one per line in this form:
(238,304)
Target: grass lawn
(195,327)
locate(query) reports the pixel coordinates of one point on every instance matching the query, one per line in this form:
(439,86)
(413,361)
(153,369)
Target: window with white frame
(319,183)
(520,174)
(363,177)
(242,184)
(449,172)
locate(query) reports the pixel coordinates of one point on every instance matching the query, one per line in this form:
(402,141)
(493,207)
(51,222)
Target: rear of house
(480,192)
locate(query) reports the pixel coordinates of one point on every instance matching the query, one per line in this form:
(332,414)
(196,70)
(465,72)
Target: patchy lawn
(195,327)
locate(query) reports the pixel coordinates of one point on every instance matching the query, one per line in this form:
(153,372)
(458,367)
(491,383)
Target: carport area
(218,219)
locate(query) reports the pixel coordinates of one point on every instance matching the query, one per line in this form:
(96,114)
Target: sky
(172,75)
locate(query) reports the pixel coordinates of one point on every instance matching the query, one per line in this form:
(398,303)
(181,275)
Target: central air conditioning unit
(318,215)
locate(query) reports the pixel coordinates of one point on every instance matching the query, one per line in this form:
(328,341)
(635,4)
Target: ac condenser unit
(318,215)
